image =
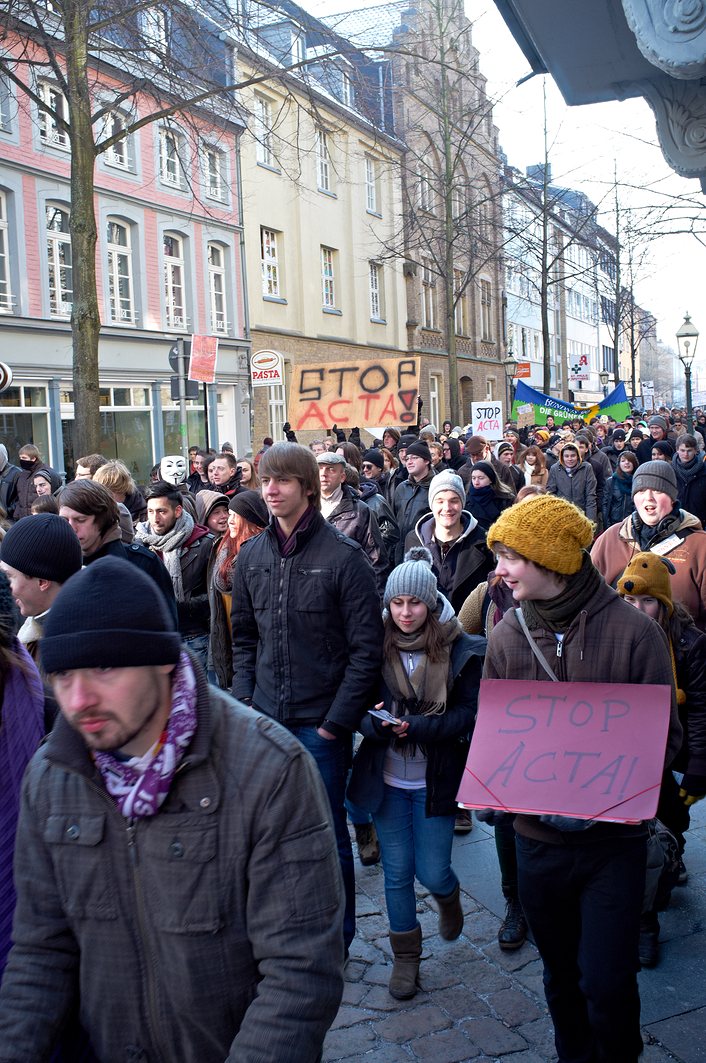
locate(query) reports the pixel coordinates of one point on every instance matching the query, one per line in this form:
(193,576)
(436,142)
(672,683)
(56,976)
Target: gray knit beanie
(447,481)
(414,577)
(659,475)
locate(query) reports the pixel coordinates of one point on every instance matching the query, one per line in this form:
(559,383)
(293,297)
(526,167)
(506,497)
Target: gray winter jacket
(577,486)
(211,931)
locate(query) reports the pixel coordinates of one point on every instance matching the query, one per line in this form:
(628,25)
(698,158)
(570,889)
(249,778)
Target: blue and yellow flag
(614,405)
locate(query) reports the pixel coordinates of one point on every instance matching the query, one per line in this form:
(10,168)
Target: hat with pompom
(413,577)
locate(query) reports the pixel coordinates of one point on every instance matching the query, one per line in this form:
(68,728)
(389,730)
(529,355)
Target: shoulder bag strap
(534,647)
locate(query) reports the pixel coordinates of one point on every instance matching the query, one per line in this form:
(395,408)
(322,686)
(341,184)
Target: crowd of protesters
(180,643)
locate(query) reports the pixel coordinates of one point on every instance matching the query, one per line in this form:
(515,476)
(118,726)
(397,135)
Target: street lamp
(510,365)
(604,377)
(687,338)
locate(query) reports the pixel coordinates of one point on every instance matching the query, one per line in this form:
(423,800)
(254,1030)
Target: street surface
(478,1003)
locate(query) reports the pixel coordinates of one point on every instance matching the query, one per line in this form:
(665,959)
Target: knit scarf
(424,692)
(170,546)
(140,785)
(557,614)
(623,482)
(686,470)
(649,534)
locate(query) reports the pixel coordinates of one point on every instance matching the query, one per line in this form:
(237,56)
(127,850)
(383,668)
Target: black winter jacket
(446,738)
(8,489)
(690,659)
(692,487)
(139,555)
(411,502)
(379,505)
(26,491)
(616,504)
(464,566)
(307,629)
(352,517)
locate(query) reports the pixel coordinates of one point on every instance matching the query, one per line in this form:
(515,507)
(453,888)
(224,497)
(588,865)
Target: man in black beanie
(162,827)
(412,495)
(38,555)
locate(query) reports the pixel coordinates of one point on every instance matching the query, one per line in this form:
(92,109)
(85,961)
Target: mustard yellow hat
(547,530)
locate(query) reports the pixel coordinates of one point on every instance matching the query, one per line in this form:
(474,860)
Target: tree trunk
(85,316)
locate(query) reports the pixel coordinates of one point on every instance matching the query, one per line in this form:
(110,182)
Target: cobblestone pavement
(479,1003)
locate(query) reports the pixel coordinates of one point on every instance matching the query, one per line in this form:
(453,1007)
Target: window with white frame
(323,162)
(213,163)
(59,261)
(120,287)
(375,288)
(428,295)
(486,308)
(298,50)
(426,195)
(174,281)
(347,95)
(118,154)
(154,26)
(5,282)
(263,131)
(6,99)
(276,410)
(490,389)
(269,256)
(460,303)
(371,185)
(328,278)
(458,200)
(434,392)
(217,287)
(51,132)
(171,162)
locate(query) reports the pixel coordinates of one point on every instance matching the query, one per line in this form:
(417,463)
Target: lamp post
(604,377)
(687,338)
(510,365)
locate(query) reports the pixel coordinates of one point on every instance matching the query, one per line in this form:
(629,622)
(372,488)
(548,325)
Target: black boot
(649,939)
(513,929)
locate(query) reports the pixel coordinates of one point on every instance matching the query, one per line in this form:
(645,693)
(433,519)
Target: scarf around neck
(424,692)
(556,614)
(140,785)
(170,546)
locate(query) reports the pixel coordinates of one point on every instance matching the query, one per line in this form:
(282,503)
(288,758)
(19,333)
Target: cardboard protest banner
(202,363)
(584,750)
(487,419)
(354,393)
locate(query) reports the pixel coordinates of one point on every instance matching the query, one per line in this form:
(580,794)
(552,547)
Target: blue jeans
(333,758)
(198,644)
(412,844)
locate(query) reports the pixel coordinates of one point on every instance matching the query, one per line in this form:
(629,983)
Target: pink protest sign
(204,353)
(585,750)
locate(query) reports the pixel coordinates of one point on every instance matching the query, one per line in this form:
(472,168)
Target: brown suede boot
(450,915)
(407,950)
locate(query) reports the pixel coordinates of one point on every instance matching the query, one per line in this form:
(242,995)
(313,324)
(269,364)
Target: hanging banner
(354,394)
(614,405)
(202,363)
(582,750)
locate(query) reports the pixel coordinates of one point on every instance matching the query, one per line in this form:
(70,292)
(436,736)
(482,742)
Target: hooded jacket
(613,550)
(465,565)
(607,642)
(210,931)
(8,483)
(577,485)
(691,480)
(411,502)
(26,491)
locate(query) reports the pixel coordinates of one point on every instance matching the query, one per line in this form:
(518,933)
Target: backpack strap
(534,647)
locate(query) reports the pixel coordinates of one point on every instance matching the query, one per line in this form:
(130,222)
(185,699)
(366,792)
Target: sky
(587,146)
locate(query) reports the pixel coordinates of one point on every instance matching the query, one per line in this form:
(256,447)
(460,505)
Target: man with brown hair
(88,466)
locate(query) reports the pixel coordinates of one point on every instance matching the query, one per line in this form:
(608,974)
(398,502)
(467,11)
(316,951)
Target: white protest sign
(487,419)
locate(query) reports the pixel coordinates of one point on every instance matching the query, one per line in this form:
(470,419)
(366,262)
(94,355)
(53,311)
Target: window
(428,295)
(217,287)
(375,288)
(61,294)
(328,282)
(276,403)
(154,27)
(51,132)
(171,167)
(174,288)
(120,289)
(458,201)
(460,311)
(5,286)
(263,131)
(5,105)
(434,392)
(486,299)
(371,188)
(298,53)
(426,198)
(347,95)
(323,162)
(213,166)
(117,154)
(270,263)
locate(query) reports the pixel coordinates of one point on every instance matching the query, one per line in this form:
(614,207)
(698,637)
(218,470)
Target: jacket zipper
(280,641)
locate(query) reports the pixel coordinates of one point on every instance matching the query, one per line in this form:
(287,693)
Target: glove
(493,816)
(693,789)
(287,429)
(339,434)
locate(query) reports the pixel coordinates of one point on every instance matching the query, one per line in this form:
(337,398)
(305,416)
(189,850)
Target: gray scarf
(169,545)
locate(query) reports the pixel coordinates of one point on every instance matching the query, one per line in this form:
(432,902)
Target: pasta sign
(354,394)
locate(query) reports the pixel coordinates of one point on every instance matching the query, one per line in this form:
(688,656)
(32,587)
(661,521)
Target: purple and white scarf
(140,785)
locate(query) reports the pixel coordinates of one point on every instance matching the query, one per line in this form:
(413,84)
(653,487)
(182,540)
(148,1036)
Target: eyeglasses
(368,465)
(445,450)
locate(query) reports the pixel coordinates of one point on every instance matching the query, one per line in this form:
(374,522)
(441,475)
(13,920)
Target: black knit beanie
(250,506)
(110,615)
(43,546)
(374,457)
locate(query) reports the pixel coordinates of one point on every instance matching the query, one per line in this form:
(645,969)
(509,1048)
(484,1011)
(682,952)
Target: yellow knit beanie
(648,574)
(547,530)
